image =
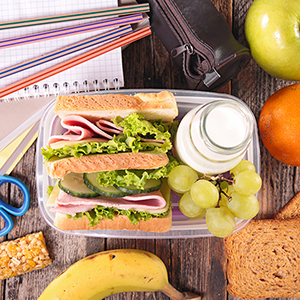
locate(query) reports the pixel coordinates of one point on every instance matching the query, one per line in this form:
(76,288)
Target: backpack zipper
(190,43)
(179,50)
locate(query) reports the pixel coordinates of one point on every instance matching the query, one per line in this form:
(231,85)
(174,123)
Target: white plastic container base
(182,227)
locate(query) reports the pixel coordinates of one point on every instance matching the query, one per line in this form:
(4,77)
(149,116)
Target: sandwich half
(112,161)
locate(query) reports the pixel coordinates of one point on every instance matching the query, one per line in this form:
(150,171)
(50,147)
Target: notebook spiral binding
(66,88)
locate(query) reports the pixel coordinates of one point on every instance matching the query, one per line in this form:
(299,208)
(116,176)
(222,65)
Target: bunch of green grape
(218,198)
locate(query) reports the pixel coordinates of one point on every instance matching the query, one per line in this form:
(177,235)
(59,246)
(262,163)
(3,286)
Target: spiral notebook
(20,110)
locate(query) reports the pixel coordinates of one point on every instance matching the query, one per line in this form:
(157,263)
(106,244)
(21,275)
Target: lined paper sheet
(18,116)
(108,66)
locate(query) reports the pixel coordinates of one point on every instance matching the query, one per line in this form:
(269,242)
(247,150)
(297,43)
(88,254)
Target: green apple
(272,31)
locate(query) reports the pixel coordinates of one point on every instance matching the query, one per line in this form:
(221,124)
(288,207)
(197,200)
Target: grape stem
(218,177)
(228,197)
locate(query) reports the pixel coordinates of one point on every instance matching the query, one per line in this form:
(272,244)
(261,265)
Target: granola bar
(23,255)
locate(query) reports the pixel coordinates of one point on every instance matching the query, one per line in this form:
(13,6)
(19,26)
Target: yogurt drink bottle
(213,138)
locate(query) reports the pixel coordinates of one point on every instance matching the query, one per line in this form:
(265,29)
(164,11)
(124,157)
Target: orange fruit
(279,125)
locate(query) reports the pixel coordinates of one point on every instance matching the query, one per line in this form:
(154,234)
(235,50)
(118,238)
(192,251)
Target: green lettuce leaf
(135,177)
(131,140)
(49,190)
(135,124)
(99,212)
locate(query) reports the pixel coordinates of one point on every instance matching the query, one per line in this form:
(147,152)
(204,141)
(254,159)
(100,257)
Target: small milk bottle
(213,138)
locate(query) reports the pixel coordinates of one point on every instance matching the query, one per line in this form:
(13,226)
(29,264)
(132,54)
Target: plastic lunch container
(182,227)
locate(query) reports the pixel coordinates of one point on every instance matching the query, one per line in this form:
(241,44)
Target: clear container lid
(182,227)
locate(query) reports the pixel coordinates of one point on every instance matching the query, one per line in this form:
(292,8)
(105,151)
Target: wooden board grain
(254,86)
(194,264)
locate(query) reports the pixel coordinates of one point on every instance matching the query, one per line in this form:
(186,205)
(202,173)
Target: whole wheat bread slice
(264,260)
(290,210)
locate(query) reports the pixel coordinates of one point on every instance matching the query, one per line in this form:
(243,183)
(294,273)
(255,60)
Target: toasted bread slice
(120,222)
(263,260)
(290,210)
(106,162)
(153,106)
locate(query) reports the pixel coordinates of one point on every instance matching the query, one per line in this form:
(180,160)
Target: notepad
(11,155)
(106,67)
(18,111)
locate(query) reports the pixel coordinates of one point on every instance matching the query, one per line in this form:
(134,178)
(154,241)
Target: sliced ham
(78,128)
(71,209)
(71,205)
(109,126)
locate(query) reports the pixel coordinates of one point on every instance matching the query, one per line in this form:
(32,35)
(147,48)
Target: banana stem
(171,292)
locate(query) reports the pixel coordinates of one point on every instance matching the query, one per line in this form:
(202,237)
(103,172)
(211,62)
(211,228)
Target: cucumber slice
(90,179)
(150,186)
(73,184)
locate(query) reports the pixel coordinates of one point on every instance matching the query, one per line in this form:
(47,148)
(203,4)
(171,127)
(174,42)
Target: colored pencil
(121,10)
(57,33)
(122,41)
(104,37)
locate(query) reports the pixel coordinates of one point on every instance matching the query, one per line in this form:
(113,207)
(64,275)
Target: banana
(109,272)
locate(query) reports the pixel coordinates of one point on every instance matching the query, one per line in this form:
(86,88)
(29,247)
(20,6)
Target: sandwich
(111,162)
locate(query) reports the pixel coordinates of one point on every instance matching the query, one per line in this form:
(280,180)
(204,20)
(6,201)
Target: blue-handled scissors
(6,208)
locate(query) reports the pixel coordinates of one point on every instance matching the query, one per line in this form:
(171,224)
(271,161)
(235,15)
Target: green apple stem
(171,292)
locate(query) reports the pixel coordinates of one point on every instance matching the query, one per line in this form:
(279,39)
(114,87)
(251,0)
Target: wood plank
(254,86)
(197,264)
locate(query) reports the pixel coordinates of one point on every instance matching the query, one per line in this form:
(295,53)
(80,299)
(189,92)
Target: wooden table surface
(195,264)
